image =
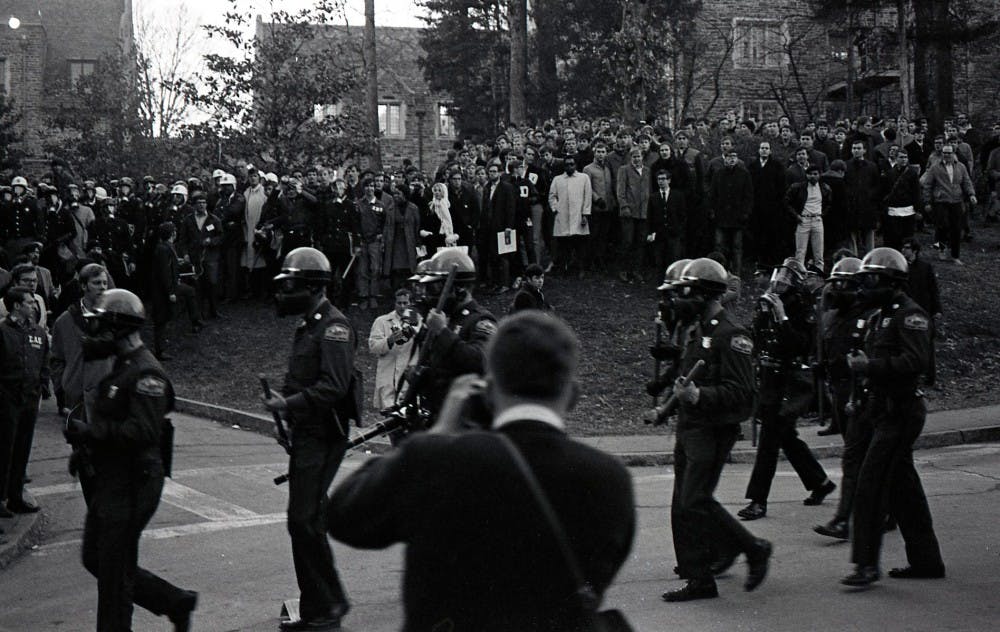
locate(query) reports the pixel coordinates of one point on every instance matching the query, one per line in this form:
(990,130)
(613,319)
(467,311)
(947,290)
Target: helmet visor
(781,279)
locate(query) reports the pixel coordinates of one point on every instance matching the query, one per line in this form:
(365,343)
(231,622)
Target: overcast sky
(387,12)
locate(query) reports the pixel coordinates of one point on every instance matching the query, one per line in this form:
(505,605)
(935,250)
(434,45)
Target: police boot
(836,528)
(693,589)
(862,576)
(910,572)
(758,561)
(818,494)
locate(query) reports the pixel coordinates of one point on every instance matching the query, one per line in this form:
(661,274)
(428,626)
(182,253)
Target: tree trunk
(517,17)
(850,61)
(547,89)
(371,83)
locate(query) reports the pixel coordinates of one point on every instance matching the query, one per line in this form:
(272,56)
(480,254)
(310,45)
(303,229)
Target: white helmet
(271,177)
(100,193)
(227,178)
(218,173)
(19,181)
(179,189)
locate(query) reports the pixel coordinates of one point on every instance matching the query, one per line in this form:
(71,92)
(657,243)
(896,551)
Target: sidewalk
(49,453)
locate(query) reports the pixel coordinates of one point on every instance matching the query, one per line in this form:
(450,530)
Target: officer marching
(129,443)
(319,399)
(843,330)
(897,353)
(707,538)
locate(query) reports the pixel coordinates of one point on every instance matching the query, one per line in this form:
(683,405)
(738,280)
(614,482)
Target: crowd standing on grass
(569,198)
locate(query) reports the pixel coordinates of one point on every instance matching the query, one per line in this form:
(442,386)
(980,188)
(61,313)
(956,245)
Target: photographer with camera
(482,552)
(391,340)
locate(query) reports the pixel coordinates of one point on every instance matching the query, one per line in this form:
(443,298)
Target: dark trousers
(315,460)
(777,432)
(857,431)
(570,252)
(896,229)
(600,237)
(888,484)
(208,286)
(667,249)
(119,504)
(632,244)
(702,528)
(17,430)
(234,276)
(729,241)
(163,313)
(948,220)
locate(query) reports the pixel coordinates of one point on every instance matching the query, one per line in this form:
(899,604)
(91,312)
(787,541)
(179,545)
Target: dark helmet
(120,309)
(704,274)
(673,273)
(845,268)
(305,264)
(443,262)
(885,262)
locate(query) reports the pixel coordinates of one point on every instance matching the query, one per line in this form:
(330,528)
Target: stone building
(777,58)
(413,120)
(54,43)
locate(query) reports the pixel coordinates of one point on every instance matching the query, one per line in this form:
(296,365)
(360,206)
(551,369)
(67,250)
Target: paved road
(220,530)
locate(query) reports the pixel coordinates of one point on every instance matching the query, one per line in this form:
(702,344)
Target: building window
(390,119)
(320,112)
(80,68)
(759,43)
(446,122)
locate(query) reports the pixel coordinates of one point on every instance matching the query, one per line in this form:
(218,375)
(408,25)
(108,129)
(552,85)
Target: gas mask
(843,293)
(667,308)
(458,296)
(293,297)
(689,305)
(100,340)
(782,280)
(874,290)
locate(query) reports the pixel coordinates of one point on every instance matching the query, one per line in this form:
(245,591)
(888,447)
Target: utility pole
(371,83)
(517,16)
(904,57)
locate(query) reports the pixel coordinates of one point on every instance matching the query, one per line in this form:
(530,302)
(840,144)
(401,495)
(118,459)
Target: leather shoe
(834,529)
(909,572)
(322,624)
(723,563)
(693,589)
(758,561)
(22,507)
(753,511)
(862,576)
(181,617)
(818,494)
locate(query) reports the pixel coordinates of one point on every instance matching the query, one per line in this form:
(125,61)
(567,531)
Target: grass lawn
(614,323)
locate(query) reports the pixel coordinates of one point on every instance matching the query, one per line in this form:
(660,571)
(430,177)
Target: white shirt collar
(532,412)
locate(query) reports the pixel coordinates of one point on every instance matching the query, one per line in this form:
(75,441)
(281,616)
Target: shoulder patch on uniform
(918,322)
(151,386)
(741,344)
(337,332)
(486,327)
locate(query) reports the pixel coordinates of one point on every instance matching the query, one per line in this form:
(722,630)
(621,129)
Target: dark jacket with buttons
(458,349)
(843,331)
(320,370)
(726,383)
(899,348)
(24,359)
(128,417)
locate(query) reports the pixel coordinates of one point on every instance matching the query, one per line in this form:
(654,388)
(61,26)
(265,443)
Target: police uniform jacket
(232,211)
(726,383)
(24,359)
(128,417)
(898,348)
(20,219)
(479,554)
(320,369)
(843,331)
(459,348)
(131,210)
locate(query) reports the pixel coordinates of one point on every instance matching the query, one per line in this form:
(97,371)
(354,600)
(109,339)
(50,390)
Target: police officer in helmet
(319,399)
(457,334)
(667,350)
(897,353)
(125,437)
(707,538)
